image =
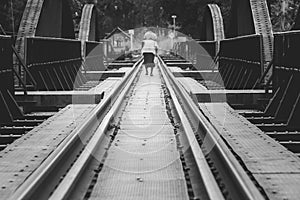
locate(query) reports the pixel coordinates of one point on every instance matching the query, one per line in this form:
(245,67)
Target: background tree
(283,13)
(129,14)
(10,15)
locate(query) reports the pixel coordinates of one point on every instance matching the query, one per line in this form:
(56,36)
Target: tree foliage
(10,14)
(283,13)
(128,14)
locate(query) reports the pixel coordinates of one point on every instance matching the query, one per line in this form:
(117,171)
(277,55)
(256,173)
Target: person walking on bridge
(149,50)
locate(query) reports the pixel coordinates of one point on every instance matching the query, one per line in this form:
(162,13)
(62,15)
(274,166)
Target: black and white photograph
(149,99)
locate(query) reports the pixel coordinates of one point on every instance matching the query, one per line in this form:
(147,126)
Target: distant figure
(149,50)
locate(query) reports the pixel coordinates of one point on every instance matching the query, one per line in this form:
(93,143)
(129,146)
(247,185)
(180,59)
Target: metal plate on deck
(280,186)
(191,85)
(25,154)
(143,161)
(262,155)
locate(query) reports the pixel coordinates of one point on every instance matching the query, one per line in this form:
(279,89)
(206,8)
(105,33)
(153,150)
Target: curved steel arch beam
(252,17)
(88,30)
(213,27)
(45,18)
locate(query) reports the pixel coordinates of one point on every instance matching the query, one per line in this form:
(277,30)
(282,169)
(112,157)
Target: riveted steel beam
(212,28)
(88,30)
(45,18)
(252,17)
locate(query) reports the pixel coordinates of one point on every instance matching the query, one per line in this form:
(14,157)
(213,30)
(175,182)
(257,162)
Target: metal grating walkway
(143,161)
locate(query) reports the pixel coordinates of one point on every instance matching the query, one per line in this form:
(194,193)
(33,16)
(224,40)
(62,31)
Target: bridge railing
(184,49)
(285,104)
(94,56)
(8,107)
(241,62)
(6,64)
(206,59)
(180,48)
(54,63)
(200,53)
(108,50)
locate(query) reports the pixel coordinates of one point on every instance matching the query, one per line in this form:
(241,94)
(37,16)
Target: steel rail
(211,188)
(64,189)
(240,184)
(66,152)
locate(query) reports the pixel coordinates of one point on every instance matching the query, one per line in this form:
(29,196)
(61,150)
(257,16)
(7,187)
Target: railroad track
(146,140)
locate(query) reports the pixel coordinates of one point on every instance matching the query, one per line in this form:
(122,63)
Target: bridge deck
(101,75)
(274,167)
(143,161)
(92,95)
(25,155)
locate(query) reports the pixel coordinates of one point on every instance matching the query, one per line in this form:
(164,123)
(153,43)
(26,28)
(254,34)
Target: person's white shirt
(149,46)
